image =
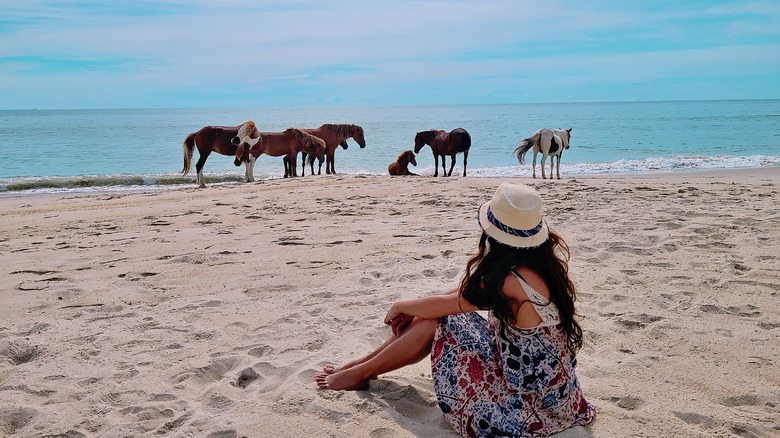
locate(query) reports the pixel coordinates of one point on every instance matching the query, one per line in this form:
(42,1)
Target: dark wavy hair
(488,268)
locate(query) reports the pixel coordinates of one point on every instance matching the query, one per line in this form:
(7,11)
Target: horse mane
(404,156)
(249,129)
(305,138)
(342,129)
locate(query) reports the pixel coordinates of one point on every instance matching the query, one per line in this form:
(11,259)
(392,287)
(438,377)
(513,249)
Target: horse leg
(465,161)
(533,165)
(294,164)
(452,165)
(559,167)
(328,162)
(252,159)
(552,165)
(248,171)
(303,164)
(199,167)
(541,164)
(436,165)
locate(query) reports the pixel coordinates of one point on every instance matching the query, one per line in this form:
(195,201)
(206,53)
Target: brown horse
(334,135)
(276,144)
(309,159)
(401,165)
(444,143)
(220,139)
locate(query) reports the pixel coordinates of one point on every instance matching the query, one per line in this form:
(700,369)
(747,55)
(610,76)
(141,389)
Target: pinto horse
(547,142)
(220,139)
(309,159)
(276,144)
(445,143)
(401,165)
(334,135)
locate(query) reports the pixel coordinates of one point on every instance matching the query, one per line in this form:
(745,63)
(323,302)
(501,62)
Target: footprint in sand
(693,418)
(13,420)
(247,376)
(627,403)
(18,353)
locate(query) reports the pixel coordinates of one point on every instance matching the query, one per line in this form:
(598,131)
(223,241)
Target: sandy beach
(207,312)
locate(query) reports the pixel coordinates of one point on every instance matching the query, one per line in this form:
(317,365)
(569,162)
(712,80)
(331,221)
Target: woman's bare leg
(412,346)
(331,369)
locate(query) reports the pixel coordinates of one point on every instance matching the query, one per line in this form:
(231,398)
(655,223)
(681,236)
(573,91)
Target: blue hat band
(513,231)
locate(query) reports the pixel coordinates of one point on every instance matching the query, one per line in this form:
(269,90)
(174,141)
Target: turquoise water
(82,149)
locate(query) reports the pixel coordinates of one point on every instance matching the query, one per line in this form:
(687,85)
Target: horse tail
(524,145)
(188,148)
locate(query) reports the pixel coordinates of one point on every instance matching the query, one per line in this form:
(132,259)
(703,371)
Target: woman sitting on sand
(510,375)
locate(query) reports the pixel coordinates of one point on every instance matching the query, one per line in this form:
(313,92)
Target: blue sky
(235,53)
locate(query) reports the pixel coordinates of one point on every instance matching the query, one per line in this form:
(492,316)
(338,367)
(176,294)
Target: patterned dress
(488,386)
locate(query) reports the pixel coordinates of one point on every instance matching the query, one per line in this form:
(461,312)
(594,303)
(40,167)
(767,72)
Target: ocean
(131,149)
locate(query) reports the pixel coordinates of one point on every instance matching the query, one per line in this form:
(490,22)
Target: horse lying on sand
(220,139)
(309,159)
(445,143)
(287,143)
(547,142)
(401,165)
(334,135)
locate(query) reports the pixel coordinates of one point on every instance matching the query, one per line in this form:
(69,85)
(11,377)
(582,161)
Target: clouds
(242,53)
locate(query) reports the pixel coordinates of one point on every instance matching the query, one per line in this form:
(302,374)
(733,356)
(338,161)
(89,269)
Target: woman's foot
(342,381)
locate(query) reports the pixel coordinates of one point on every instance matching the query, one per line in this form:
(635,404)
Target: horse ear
(568,130)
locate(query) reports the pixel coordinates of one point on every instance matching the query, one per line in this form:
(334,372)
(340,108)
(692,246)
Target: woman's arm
(431,307)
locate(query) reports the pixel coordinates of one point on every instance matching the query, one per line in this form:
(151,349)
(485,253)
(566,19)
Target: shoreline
(142,312)
(96,190)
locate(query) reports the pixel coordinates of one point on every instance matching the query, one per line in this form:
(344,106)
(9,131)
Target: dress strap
(535,297)
(544,307)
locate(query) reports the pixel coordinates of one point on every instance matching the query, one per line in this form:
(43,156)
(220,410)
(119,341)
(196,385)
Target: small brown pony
(276,144)
(401,165)
(309,159)
(445,143)
(334,135)
(220,139)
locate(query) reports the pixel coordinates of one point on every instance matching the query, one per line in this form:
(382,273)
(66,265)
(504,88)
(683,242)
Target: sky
(235,53)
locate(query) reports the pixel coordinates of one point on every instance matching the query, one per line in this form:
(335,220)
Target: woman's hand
(397,320)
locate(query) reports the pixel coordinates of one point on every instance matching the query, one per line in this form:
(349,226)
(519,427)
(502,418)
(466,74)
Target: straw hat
(514,217)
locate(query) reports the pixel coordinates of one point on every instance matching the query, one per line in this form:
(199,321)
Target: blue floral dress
(488,386)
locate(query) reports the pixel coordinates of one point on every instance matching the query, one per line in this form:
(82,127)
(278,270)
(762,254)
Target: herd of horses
(246,144)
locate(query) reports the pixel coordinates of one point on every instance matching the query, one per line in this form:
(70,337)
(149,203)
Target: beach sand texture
(207,313)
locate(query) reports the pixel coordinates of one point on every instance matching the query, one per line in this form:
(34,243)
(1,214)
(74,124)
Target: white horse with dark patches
(547,142)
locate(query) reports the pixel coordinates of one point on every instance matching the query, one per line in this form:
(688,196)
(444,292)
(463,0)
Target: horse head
(419,142)
(409,157)
(565,135)
(359,136)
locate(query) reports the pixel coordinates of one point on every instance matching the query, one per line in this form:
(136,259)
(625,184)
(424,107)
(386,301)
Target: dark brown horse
(309,159)
(287,143)
(444,143)
(401,165)
(334,135)
(220,139)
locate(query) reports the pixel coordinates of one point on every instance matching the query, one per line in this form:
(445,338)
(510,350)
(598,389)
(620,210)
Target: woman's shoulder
(513,286)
